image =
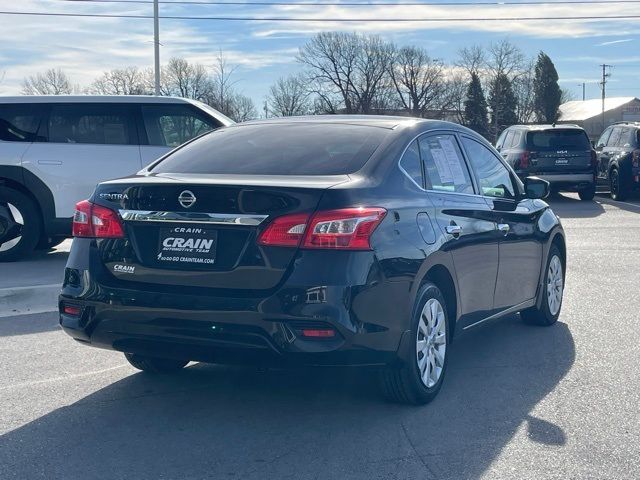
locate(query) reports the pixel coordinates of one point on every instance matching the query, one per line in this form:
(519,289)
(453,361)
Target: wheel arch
(22,180)
(441,277)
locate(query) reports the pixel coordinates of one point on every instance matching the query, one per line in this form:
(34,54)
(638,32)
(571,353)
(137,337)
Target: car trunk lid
(186,231)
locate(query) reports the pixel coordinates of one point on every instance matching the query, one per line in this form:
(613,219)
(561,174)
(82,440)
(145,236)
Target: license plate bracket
(187,245)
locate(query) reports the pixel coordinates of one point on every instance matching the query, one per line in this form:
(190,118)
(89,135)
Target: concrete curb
(31,299)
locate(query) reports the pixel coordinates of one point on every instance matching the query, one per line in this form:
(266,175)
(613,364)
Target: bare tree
(524,90)
(472,59)
(52,82)
(242,108)
(125,81)
(505,58)
(454,94)
(289,96)
(222,94)
(418,79)
(188,80)
(353,65)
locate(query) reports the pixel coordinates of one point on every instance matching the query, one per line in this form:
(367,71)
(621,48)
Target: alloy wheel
(555,285)
(11,225)
(431,342)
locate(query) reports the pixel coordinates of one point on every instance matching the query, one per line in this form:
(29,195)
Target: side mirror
(498,148)
(535,187)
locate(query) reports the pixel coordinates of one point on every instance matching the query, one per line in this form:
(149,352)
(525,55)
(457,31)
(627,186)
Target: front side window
(614,139)
(173,125)
(444,164)
(18,123)
(626,137)
(411,164)
(99,124)
(494,177)
(517,138)
(602,142)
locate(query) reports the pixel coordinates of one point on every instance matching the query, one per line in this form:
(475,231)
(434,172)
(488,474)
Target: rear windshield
(551,139)
(277,149)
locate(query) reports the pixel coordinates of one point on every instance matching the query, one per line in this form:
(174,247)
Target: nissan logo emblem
(187,199)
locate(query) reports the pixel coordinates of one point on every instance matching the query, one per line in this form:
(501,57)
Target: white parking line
(59,379)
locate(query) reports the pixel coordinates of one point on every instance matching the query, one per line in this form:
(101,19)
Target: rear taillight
(343,229)
(95,221)
(286,231)
(594,159)
(635,159)
(524,160)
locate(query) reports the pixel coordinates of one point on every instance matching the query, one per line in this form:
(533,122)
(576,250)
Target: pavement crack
(415,451)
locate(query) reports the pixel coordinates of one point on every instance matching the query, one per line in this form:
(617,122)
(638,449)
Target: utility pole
(605,75)
(584,97)
(156,46)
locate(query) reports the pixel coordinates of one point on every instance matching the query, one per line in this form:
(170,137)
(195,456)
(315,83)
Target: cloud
(614,42)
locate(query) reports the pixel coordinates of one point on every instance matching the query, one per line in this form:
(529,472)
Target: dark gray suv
(619,158)
(560,154)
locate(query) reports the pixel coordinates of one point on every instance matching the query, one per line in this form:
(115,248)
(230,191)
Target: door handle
(504,228)
(454,230)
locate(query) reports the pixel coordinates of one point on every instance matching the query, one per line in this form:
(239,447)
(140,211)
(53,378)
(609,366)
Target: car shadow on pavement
(28,324)
(226,422)
(572,207)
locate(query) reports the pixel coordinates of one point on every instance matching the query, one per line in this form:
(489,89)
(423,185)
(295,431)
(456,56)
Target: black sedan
(336,240)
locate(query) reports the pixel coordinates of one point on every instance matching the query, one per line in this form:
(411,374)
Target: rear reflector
(95,221)
(72,310)
(343,229)
(314,333)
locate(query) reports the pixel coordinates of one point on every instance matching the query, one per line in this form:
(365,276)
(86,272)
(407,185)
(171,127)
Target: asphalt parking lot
(519,402)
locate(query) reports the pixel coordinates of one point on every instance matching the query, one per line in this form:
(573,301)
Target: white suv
(55,149)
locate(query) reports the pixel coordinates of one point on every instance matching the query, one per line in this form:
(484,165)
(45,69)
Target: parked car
(340,240)
(560,154)
(619,158)
(54,150)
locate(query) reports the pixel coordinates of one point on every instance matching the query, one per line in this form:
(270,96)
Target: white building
(588,113)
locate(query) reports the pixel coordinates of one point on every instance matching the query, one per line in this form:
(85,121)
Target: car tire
(552,291)
(619,191)
(18,214)
(587,194)
(419,376)
(155,364)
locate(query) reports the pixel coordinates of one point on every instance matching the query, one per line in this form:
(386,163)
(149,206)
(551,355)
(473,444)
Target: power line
(361,4)
(326,20)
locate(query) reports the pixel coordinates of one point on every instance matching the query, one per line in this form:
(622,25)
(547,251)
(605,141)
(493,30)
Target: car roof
(564,126)
(380,121)
(93,99)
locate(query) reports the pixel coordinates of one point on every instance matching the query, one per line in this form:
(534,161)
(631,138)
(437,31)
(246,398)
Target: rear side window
(277,149)
(567,139)
(444,165)
(100,124)
(508,139)
(411,164)
(19,122)
(173,125)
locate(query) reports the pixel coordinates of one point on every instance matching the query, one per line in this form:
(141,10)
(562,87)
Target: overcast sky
(84,47)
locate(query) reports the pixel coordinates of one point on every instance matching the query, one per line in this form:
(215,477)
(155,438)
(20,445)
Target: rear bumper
(369,321)
(567,180)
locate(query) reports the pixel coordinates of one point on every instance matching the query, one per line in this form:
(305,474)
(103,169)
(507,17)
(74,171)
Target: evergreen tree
(475,107)
(547,93)
(503,105)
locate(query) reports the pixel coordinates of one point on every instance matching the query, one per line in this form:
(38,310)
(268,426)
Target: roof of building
(584,109)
